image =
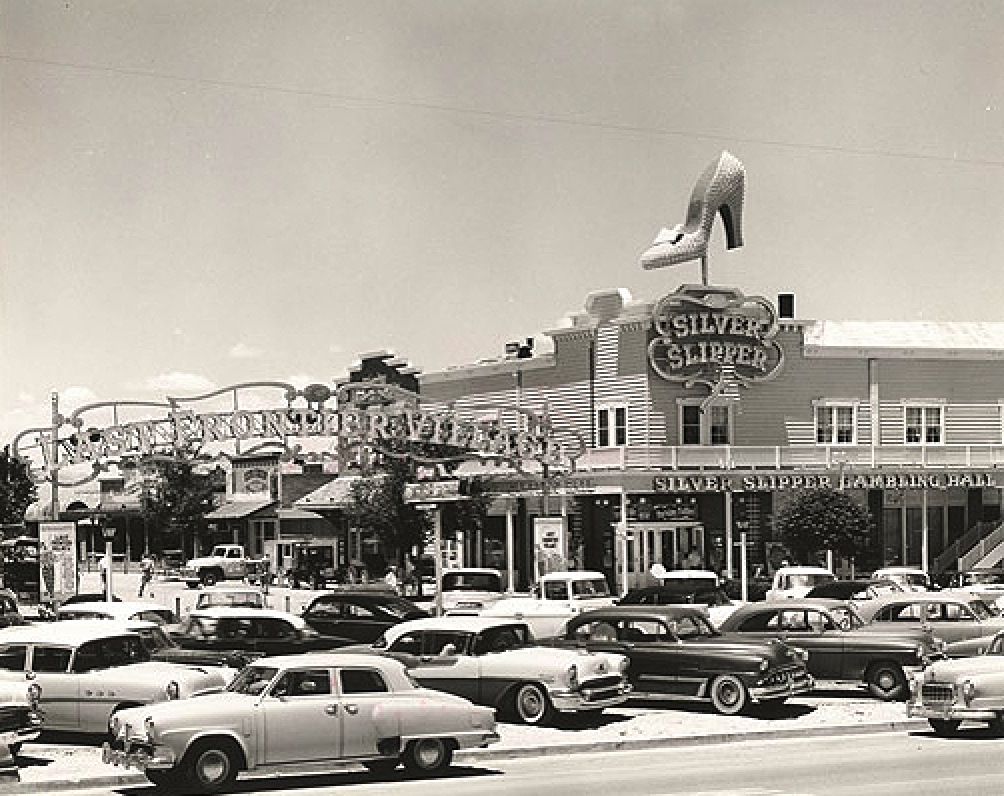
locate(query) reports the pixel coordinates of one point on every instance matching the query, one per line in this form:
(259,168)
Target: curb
(477,755)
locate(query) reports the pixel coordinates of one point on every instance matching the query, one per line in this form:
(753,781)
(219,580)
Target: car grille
(783,676)
(937,694)
(14,717)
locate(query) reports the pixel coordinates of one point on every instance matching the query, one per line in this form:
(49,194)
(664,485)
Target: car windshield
(983,578)
(806,580)
(471,581)
(400,608)
(846,617)
(155,639)
(233,598)
(594,587)
(252,680)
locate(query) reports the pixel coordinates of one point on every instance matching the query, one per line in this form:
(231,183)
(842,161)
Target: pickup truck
(554,599)
(225,562)
(467,591)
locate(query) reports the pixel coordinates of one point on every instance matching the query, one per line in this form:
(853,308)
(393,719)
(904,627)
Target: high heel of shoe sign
(720,190)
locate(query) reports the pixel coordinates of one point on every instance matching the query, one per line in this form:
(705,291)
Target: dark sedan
(675,653)
(362,616)
(841,647)
(253,631)
(854,589)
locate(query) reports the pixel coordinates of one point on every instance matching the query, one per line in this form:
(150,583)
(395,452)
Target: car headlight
(968,691)
(801,654)
(34,694)
(573,676)
(173,690)
(764,665)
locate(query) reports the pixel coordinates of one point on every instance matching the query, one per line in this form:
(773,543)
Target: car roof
(331,659)
(576,574)
(372,595)
(804,570)
(469,624)
(687,574)
(121,608)
(68,633)
(799,604)
(652,612)
(231,590)
(243,612)
(904,570)
(905,598)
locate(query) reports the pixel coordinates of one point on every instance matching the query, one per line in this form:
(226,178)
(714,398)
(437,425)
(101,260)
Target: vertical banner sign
(57,560)
(549,545)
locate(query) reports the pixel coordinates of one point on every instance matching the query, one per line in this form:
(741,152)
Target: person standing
(145,573)
(105,565)
(391,578)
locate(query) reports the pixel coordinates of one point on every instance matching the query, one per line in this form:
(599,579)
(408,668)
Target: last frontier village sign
(377,427)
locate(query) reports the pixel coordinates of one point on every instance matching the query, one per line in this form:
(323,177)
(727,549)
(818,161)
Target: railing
(984,547)
(791,457)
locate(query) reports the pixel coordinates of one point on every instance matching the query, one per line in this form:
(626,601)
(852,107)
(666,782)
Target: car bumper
(478,739)
(794,684)
(949,712)
(589,698)
(140,758)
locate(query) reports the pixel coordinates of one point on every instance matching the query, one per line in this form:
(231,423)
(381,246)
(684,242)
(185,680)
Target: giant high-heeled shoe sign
(720,189)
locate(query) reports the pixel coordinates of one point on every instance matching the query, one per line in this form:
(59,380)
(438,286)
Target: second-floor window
(835,424)
(711,427)
(924,425)
(611,426)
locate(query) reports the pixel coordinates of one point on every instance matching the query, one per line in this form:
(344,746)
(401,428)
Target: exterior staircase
(981,546)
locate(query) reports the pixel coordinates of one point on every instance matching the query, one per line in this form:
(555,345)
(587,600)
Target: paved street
(891,763)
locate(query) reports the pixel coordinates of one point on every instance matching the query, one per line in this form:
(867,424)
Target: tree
(377,507)
(17,490)
(824,519)
(181,500)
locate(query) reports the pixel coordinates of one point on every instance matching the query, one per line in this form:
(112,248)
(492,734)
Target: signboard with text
(57,560)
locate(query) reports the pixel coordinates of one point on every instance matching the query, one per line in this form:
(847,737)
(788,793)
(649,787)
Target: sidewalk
(53,766)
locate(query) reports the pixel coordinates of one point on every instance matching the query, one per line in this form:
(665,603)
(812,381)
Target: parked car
(910,578)
(88,670)
(20,717)
(495,662)
(88,597)
(122,611)
(10,612)
(952,615)
(949,692)
(467,591)
(675,653)
(288,710)
(683,592)
(362,616)
(555,598)
(986,583)
(795,581)
(841,647)
(233,596)
(853,589)
(256,631)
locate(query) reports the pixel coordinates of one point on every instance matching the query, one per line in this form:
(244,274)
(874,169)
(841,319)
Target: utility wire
(509,115)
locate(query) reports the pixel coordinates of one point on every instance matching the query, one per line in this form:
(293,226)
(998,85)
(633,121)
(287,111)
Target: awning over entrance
(237,509)
(336,494)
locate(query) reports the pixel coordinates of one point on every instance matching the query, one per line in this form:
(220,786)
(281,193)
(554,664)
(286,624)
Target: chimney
(786,305)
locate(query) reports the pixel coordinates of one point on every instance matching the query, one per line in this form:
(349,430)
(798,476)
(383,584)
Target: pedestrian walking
(145,573)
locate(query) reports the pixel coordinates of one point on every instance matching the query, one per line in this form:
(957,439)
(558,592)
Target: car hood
(217,708)
(959,669)
(587,663)
(195,677)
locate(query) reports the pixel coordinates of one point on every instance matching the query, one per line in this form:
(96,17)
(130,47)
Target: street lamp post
(108,532)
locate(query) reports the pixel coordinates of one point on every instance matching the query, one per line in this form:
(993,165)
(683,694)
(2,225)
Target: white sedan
(315,707)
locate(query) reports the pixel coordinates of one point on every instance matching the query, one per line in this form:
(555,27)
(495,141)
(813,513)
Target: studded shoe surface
(721,188)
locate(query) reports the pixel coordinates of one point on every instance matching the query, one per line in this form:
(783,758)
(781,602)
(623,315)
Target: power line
(508,115)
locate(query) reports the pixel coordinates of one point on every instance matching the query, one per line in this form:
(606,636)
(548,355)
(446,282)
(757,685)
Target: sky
(195,193)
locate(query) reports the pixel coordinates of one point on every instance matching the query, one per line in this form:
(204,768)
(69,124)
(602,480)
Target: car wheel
(886,681)
(209,578)
(381,766)
(210,766)
(165,779)
(944,727)
(428,756)
(729,695)
(532,705)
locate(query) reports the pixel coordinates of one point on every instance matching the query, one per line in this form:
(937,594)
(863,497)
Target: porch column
(728,535)
(510,546)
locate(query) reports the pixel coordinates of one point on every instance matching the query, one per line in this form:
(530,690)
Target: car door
(815,632)
(445,664)
(272,636)
(363,696)
(325,615)
(657,656)
(361,622)
(50,665)
(302,718)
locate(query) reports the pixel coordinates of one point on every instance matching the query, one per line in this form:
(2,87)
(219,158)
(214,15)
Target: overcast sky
(197,193)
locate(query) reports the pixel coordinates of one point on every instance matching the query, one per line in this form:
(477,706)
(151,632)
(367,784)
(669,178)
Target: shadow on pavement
(266,783)
(771,711)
